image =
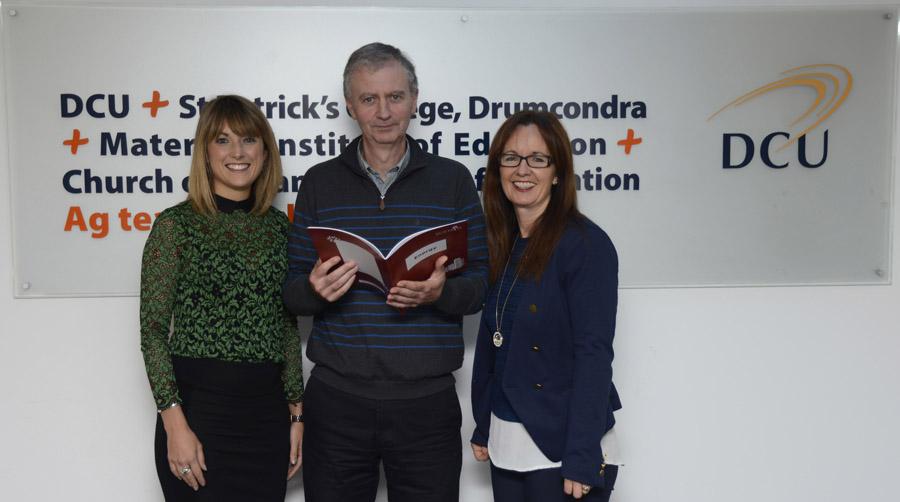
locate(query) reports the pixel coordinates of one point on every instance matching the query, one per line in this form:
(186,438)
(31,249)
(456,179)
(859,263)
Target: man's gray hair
(373,57)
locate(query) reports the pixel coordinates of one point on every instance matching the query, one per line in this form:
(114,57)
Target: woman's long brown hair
(502,226)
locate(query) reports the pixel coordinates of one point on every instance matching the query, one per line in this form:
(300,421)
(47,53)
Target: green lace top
(220,279)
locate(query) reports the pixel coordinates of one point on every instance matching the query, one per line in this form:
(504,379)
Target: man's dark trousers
(346,436)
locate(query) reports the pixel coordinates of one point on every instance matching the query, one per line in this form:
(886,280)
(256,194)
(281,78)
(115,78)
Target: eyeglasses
(535,160)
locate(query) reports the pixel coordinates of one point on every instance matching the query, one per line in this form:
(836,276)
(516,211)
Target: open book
(411,259)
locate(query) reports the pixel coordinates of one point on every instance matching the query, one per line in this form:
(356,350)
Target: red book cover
(411,259)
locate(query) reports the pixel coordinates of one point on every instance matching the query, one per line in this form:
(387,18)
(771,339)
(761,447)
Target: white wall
(735,394)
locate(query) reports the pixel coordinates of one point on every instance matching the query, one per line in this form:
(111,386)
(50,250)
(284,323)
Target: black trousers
(238,412)
(544,485)
(347,436)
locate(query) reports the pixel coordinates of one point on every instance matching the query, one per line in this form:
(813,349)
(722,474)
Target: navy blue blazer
(558,375)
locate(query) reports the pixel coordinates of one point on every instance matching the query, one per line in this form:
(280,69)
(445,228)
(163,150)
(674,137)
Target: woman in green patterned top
(222,354)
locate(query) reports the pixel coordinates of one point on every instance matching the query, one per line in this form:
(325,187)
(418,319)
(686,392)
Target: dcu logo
(832,84)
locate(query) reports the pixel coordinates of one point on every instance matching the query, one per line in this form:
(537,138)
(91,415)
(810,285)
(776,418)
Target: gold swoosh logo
(822,78)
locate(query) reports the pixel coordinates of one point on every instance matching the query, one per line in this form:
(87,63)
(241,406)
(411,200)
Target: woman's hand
(480,452)
(185,453)
(575,489)
(296,449)
(296,459)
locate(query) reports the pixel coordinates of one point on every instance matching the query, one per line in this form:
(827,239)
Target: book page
(364,260)
(420,232)
(346,236)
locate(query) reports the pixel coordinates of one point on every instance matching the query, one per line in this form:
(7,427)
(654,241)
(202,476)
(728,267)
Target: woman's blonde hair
(245,119)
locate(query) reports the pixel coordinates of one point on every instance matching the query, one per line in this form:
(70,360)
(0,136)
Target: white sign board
(716,148)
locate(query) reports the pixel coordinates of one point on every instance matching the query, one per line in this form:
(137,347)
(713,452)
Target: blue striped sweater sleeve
(298,294)
(464,294)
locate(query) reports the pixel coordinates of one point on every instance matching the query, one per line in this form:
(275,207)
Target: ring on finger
(585,489)
(184,470)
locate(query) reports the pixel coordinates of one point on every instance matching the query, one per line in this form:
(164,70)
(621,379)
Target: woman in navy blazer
(542,391)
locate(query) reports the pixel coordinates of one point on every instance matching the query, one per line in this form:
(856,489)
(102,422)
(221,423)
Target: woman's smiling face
(527,188)
(235,162)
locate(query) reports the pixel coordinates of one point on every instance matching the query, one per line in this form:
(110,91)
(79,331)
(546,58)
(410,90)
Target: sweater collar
(417,158)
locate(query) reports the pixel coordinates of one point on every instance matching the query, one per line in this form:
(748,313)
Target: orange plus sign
(629,141)
(155,104)
(75,141)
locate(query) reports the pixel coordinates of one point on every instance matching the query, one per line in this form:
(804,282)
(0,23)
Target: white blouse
(511,447)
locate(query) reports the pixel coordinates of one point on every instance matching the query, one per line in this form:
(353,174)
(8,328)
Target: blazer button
(538,386)
(535,348)
(532,308)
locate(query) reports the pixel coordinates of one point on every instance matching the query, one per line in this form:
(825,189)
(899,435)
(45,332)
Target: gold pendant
(497,338)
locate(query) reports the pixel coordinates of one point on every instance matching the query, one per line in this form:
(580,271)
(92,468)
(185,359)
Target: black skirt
(238,412)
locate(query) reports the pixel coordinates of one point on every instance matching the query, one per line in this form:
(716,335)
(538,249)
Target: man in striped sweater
(382,389)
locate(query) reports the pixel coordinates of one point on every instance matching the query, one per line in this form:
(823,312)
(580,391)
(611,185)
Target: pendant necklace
(498,312)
